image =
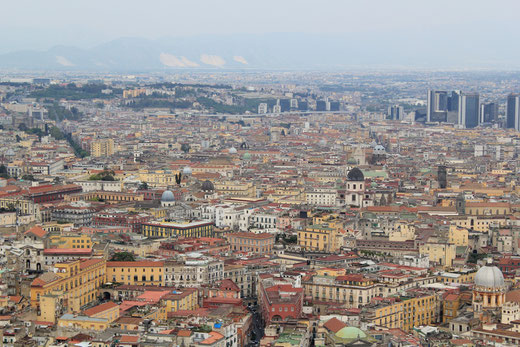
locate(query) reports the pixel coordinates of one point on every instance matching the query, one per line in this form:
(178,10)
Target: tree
(28,177)
(56,133)
(3,172)
(18,138)
(123,256)
(185,147)
(143,186)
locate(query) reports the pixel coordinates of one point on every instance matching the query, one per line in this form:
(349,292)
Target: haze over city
(259,173)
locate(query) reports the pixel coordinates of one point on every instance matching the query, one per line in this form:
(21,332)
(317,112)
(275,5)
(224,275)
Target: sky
(36,24)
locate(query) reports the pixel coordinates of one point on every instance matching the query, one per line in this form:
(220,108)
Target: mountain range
(266,51)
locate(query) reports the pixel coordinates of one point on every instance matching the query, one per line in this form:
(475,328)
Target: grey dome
(489,276)
(186,170)
(167,196)
(355,175)
(207,186)
(232,150)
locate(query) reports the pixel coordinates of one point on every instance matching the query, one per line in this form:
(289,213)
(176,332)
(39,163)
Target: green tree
(143,186)
(185,147)
(3,172)
(28,177)
(123,256)
(56,133)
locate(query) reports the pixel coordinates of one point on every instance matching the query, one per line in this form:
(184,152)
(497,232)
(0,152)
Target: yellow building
(235,188)
(83,322)
(157,178)
(170,229)
(183,299)
(487,208)
(70,241)
(320,238)
(143,272)
(71,286)
(458,236)
(480,223)
(439,253)
(108,310)
(402,232)
(102,147)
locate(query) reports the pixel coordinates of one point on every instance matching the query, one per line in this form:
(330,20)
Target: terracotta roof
(184,333)
(129,338)
(36,230)
(100,308)
(334,325)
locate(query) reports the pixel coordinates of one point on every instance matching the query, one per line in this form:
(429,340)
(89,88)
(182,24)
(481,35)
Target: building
(171,229)
(279,302)
(250,242)
(442,176)
(395,112)
(489,112)
(469,110)
(437,107)
(102,148)
(69,287)
(120,219)
(143,272)
(513,111)
(320,238)
(489,291)
(262,108)
(355,188)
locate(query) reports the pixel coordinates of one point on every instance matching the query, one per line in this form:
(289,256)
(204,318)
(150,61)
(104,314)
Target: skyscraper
(396,112)
(489,112)
(513,111)
(469,110)
(437,106)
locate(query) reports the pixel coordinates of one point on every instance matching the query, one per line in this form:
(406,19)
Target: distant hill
(247,51)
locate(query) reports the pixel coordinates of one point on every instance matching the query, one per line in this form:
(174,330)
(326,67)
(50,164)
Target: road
(258,326)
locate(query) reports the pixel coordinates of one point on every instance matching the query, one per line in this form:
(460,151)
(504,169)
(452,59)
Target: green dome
(373,185)
(246,156)
(349,333)
(351,161)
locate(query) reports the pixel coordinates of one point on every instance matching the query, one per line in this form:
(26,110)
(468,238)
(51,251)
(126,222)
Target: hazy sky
(40,24)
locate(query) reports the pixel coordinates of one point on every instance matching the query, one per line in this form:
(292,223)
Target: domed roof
(351,161)
(355,175)
(379,148)
(246,156)
(350,333)
(207,186)
(489,276)
(186,170)
(232,150)
(167,196)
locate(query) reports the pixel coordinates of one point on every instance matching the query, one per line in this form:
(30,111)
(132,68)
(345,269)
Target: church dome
(167,196)
(489,276)
(349,333)
(232,150)
(186,170)
(246,156)
(207,186)
(355,175)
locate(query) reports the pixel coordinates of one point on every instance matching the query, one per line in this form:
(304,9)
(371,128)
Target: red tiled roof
(100,308)
(36,230)
(334,325)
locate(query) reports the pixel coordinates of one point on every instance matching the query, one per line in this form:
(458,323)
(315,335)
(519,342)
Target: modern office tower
(285,105)
(321,105)
(334,106)
(453,101)
(303,105)
(489,112)
(437,106)
(262,108)
(469,109)
(513,111)
(294,104)
(396,112)
(441,176)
